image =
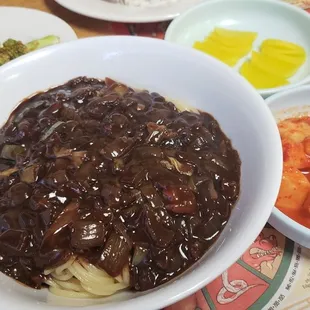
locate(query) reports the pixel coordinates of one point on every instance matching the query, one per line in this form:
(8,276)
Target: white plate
(102,9)
(292,103)
(28,24)
(269,18)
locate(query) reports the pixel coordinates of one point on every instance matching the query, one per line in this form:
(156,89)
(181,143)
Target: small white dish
(27,24)
(160,66)
(102,9)
(292,103)
(269,18)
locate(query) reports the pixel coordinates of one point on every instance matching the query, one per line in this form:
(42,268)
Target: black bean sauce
(95,169)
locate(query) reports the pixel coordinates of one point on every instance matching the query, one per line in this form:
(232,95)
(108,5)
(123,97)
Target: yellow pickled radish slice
(198,45)
(284,46)
(235,34)
(293,53)
(228,61)
(297,60)
(261,79)
(229,46)
(224,57)
(274,65)
(232,41)
(229,51)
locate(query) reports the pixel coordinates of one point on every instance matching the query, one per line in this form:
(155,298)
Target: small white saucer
(27,24)
(269,18)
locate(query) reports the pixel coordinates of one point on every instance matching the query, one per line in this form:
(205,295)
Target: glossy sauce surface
(116,176)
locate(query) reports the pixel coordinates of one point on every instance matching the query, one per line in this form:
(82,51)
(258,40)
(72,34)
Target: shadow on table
(84,26)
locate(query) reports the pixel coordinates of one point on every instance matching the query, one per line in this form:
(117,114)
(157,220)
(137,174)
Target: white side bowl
(186,76)
(292,103)
(269,18)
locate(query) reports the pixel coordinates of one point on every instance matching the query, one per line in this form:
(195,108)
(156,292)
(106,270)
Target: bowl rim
(277,216)
(283,218)
(177,289)
(265,92)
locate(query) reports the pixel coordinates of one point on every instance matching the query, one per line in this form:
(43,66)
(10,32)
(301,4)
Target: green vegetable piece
(43,42)
(12,48)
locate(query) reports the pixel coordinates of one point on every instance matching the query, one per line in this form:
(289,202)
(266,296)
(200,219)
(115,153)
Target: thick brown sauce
(115,176)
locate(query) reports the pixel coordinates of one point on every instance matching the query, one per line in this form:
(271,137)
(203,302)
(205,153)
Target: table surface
(83,26)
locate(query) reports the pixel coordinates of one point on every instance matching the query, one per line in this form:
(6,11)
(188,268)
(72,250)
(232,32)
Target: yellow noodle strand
(87,277)
(72,285)
(104,291)
(78,279)
(66,265)
(65,276)
(71,294)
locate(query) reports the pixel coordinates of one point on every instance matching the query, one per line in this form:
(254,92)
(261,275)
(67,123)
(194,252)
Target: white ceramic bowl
(269,18)
(288,104)
(186,76)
